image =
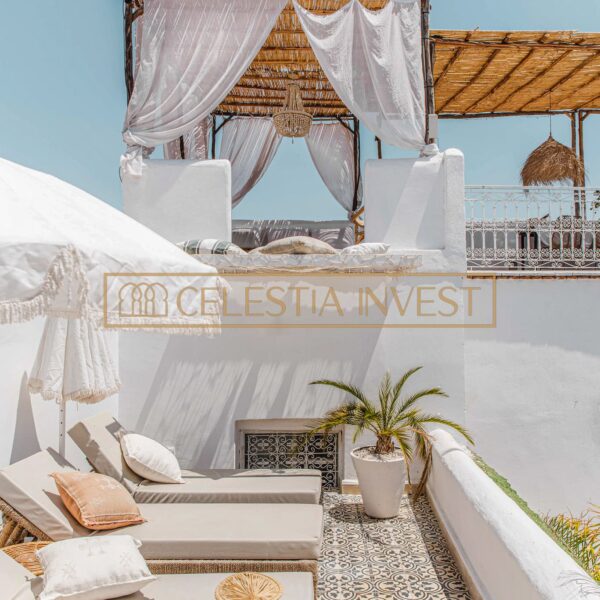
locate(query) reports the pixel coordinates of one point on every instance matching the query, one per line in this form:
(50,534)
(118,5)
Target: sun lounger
(97,438)
(183,538)
(19,584)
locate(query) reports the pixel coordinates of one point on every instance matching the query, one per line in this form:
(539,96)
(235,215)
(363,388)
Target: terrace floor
(405,558)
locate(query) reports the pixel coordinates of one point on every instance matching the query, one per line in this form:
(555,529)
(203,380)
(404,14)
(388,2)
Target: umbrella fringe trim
(64,265)
(86,396)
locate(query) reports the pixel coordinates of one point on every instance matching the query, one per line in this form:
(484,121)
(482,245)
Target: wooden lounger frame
(16,527)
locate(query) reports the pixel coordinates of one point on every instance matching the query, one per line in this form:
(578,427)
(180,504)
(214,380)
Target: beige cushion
(97,501)
(150,459)
(98,438)
(300,486)
(228,531)
(93,568)
(297,245)
(29,489)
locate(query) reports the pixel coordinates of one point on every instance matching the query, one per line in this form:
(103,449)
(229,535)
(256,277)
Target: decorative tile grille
(287,450)
(532,228)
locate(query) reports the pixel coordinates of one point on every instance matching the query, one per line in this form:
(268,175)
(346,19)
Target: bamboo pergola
(468,74)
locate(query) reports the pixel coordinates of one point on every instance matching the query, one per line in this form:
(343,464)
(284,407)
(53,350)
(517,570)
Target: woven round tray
(248,586)
(24,554)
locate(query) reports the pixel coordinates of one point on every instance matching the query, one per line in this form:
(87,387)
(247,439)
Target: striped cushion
(210,247)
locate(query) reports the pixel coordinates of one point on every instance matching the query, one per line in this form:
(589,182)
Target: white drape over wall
(331,148)
(373,61)
(249,143)
(192,54)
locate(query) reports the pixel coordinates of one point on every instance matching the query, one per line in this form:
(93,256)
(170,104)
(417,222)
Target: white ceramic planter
(381,484)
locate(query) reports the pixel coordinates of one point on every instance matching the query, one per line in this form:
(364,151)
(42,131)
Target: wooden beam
(562,80)
(441,41)
(541,74)
(491,115)
(427,68)
(474,78)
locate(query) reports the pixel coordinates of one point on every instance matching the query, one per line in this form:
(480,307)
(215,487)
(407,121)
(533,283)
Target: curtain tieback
(429,150)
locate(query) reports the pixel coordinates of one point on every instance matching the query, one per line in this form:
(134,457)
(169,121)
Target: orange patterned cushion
(97,501)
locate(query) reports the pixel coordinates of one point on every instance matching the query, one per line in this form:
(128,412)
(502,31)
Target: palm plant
(392,418)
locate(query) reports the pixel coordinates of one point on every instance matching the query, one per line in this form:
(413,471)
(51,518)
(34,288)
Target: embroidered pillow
(300,244)
(210,247)
(96,501)
(93,568)
(150,459)
(366,248)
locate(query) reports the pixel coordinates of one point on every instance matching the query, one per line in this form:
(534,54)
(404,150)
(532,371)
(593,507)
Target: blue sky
(62,101)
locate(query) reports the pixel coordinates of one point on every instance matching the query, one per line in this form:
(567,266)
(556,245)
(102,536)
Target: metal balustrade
(532,228)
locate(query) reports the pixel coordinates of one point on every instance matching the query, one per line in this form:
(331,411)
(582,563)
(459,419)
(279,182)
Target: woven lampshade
(248,586)
(552,162)
(292,120)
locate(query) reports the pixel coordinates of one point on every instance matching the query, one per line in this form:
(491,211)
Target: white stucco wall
(181,199)
(502,552)
(189,391)
(28,422)
(533,390)
(417,205)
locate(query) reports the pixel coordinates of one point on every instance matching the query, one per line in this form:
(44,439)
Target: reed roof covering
(475,72)
(479,72)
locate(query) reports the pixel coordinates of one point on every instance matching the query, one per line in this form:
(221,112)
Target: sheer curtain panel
(331,147)
(192,54)
(249,143)
(373,61)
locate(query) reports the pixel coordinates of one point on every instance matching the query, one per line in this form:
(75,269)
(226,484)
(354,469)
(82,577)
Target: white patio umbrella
(56,244)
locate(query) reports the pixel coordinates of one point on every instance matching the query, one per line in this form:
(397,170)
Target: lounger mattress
(228,486)
(228,531)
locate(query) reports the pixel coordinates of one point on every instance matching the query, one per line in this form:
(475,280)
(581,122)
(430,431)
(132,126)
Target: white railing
(532,228)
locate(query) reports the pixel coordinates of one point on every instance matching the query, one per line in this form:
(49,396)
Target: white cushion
(93,568)
(149,459)
(366,248)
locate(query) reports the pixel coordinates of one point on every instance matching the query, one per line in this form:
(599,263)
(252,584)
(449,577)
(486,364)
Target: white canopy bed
(352,62)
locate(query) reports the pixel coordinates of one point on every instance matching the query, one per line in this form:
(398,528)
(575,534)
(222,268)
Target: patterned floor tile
(405,558)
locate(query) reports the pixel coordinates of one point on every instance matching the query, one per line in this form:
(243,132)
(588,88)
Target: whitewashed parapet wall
(181,199)
(417,206)
(190,392)
(504,555)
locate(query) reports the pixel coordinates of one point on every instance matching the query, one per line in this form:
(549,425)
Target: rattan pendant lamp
(552,162)
(292,120)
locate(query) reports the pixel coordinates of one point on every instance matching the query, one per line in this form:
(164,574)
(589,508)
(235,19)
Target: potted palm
(399,427)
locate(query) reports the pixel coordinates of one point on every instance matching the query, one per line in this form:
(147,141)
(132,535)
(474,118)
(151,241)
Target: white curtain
(331,148)
(195,143)
(249,143)
(192,54)
(373,61)
(73,362)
